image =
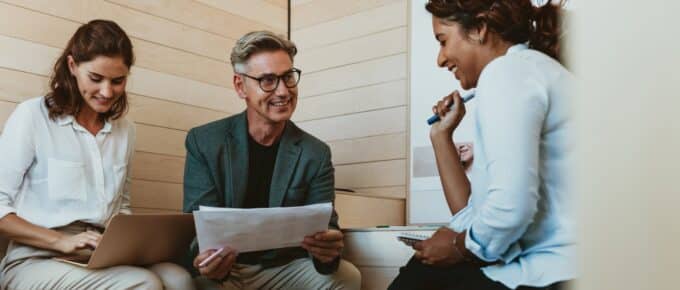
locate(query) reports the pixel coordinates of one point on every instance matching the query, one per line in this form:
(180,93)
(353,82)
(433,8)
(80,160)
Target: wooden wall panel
(369,98)
(137,24)
(353,95)
(395,192)
(260,11)
(309,13)
(355,50)
(152,194)
(160,140)
(371,174)
(157,167)
(367,73)
(55,32)
(352,26)
(358,125)
(375,148)
(16,86)
(177,89)
(281,3)
(212,20)
(359,211)
(141,210)
(156,112)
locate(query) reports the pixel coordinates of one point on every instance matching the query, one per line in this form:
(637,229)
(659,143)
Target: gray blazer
(216,174)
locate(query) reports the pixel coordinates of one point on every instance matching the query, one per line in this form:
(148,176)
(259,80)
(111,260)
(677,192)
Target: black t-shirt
(261,161)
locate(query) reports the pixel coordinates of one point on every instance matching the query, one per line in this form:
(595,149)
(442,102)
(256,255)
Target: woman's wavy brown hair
(93,39)
(516,21)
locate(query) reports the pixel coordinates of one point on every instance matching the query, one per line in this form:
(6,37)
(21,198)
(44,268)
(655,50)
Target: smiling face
(458,52)
(274,107)
(101,81)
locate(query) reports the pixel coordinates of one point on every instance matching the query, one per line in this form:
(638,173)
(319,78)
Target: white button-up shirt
(519,210)
(54,172)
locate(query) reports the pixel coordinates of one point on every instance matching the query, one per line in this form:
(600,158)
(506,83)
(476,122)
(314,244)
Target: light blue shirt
(520,210)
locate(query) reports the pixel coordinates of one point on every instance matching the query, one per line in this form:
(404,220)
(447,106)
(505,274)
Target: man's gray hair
(255,42)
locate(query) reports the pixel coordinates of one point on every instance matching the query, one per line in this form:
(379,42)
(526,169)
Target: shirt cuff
(462,220)
(479,250)
(5,210)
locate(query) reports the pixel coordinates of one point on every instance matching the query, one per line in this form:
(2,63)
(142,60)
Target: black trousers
(416,276)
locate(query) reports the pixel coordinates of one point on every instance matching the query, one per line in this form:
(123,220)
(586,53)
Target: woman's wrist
(440,133)
(53,239)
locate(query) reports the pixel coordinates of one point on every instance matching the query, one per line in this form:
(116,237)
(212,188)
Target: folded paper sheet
(256,229)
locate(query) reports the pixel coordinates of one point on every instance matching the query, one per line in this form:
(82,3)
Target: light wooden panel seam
(159,195)
(355,100)
(374,123)
(157,167)
(135,23)
(281,3)
(375,148)
(160,140)
(371,174)
(145,110)
(55,32)
(198,15)
(353,51)
(368,22)
(141,81)
(367,73)
(19,86)
(319,11)
(357,211)
(141,210)
(393,192)
(259,11)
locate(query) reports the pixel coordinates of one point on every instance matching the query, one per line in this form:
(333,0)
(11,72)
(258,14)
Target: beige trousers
(298,274)
(26,268)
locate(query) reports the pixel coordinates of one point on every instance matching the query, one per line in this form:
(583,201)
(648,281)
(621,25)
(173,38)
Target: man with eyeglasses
(259,158)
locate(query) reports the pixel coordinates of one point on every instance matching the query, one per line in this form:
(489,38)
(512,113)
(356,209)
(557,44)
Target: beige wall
(182,77)
(627,56)
(353,95)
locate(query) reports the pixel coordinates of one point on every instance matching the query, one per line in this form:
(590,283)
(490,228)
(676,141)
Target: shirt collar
(516,48)
(70,120)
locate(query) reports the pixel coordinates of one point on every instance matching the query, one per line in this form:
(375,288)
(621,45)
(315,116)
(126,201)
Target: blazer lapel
(286,161)
(237,161)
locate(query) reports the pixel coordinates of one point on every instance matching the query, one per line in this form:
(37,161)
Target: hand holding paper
(246,230)
(325,246)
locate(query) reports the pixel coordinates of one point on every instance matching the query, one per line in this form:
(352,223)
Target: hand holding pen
(449,111)
(215,264)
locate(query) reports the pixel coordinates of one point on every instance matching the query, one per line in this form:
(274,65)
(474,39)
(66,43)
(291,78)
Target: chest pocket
(119,177)
(66,180)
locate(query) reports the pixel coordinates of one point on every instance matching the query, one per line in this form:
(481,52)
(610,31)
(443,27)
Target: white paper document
(247,230)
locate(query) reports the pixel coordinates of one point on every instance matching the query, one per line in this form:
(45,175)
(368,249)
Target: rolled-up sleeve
(126,207)
(461,221)
(17,149)
(511,113)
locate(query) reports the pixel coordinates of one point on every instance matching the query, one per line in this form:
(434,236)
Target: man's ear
(239,86)
(72,66)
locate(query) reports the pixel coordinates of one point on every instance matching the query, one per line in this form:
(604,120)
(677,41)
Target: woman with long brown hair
(512,223)
(65,171)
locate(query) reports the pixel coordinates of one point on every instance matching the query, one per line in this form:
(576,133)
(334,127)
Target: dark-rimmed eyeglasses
(269,82)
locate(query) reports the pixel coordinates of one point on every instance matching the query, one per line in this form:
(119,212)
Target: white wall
(428,84)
